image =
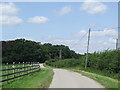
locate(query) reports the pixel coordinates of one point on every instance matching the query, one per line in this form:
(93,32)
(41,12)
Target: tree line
(21,50)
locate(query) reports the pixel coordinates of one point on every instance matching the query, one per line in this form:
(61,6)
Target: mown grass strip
(107,82)
(41,79)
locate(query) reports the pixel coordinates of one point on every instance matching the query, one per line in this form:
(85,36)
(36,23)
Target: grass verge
(41,79)
(105,81)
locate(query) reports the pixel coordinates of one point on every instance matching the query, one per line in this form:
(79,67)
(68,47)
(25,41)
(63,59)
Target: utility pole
(60,54)
(116,44)
(87,48)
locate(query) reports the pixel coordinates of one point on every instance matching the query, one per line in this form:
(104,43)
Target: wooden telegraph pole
(116,44)
(60,54)
(87,48)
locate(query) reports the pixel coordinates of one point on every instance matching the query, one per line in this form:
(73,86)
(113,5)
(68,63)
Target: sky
(64,23)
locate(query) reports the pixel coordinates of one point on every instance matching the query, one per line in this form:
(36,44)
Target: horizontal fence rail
(13,71)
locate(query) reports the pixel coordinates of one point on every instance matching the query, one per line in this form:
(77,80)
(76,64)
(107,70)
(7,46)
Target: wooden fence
(12,71)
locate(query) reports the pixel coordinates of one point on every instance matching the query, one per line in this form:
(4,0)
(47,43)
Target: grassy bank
(41,79)
(105,81)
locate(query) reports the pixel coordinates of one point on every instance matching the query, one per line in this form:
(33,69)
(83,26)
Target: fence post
(23,68)
(13,69)
(32,67)
(19,69)
(7,71)
(39,66)
(26,68)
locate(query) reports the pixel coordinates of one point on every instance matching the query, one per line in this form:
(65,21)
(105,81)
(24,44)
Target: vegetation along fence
(13,71)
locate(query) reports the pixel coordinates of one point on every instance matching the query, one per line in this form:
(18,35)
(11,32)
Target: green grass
(47,66)
(41,79)
(103,73)
(12,71)
(105,81)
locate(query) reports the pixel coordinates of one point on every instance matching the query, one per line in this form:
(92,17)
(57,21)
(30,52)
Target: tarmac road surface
(68,79)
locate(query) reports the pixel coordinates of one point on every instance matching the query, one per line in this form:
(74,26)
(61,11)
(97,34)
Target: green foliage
(106,62)
(53,51)
(21,50)
(64,63)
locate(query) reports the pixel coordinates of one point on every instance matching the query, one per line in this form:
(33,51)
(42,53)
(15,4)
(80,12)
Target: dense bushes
(106,61)
(64,63)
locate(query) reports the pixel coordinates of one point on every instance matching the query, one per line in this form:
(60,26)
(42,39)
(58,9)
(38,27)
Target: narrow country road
(67,79)
(41,66)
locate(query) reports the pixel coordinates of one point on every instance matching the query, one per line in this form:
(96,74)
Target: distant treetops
(21,50)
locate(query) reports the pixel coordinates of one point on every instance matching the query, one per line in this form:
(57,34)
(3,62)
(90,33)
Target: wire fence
(13,71)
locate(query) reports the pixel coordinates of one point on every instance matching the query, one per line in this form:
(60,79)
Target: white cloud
(112,40)
(8,9)
(105,32)
(8,12)
(101,45)
(109,32)
(93,7)
(64,10)
(10,20)
(80,46)
(80,33)
(38,19)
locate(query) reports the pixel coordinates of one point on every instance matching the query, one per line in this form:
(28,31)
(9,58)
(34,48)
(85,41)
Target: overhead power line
(79,40)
